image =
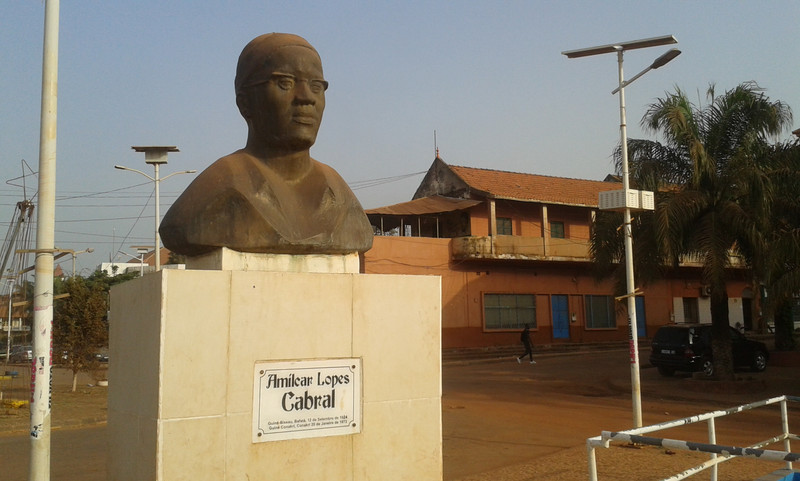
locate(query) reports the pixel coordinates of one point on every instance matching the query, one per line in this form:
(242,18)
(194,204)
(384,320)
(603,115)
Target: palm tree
(780,264)
(712,192)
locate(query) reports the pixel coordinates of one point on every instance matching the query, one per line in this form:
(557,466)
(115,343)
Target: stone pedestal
(182,354)
(225,259)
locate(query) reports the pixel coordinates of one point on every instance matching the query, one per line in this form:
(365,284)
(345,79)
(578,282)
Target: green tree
(713,192)
(80,328)
(176,258)
(105,282)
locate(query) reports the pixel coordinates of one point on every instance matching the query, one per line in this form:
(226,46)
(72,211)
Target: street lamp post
(629,199)
(155,156)
(75,253)
(141,250)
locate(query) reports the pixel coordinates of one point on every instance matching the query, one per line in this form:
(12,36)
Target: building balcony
(520,248)
(16,326)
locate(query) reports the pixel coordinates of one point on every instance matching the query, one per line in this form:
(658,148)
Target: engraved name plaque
(306,399)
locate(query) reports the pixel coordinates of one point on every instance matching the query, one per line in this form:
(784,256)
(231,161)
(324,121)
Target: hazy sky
(487,77)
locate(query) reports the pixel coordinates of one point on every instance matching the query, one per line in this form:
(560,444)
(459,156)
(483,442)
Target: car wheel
(759,361)
(666,371)
(708,368)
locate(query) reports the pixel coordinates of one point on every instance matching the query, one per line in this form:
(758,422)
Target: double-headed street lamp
(75,253)
(155,156)
(141,250)
(628,199)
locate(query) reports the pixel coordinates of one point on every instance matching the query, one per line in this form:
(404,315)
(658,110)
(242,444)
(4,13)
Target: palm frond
(721,188)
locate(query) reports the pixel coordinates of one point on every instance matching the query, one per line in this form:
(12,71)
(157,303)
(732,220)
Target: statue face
(285,111)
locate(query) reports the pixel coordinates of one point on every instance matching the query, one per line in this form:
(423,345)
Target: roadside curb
(494,357)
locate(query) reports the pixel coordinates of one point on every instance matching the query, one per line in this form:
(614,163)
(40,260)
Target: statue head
(280,92)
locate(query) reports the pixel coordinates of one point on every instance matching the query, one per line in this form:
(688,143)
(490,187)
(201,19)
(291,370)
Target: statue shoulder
(203,217)
(223,178)
(353,232)
(232,165)
(231,173)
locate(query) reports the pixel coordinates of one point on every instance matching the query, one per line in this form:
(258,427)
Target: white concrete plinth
(225,259)
(183,349)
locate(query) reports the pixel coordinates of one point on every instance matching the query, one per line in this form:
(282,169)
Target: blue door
(560,317)
(641,323)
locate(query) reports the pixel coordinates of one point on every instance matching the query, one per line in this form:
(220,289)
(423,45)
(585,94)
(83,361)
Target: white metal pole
(787,444)
(41,374)
(592,458)
(628,233)
(8,338)
(158,238)
(712,439)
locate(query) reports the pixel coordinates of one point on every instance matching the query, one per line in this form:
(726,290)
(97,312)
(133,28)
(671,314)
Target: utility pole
(42,365)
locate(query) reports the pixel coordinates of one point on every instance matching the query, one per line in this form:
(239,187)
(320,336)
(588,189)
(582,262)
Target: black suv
(687,347)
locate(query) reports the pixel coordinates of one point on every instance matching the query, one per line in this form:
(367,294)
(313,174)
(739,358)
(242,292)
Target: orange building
(513,249)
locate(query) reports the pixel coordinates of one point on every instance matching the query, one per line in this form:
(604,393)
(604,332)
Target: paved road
(76,454)
(497,414)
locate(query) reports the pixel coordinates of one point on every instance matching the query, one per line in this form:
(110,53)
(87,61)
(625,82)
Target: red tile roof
(534,188)
(150,257)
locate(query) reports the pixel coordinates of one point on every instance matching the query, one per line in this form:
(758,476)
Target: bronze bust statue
(271,196)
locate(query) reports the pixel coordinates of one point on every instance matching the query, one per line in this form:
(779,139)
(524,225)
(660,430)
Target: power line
(364,184)
(94,194)
(124,239)
(88,234)
(60,221)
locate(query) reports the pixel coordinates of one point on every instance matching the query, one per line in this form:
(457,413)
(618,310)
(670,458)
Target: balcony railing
(15,327)
(520,248)
(534,248)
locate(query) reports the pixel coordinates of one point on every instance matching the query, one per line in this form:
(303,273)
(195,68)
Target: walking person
(525,337)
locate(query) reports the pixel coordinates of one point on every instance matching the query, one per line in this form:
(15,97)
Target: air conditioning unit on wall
(705,291)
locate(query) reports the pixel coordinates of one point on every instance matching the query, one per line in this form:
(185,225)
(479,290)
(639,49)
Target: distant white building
(114,268)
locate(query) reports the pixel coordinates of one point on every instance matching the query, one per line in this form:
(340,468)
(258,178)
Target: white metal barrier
(719,453)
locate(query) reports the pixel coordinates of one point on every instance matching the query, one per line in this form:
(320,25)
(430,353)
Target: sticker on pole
(306,399)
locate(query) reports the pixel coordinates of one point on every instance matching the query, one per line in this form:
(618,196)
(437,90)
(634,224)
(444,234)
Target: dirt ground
(85,406)
(503,421)
(508,422)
